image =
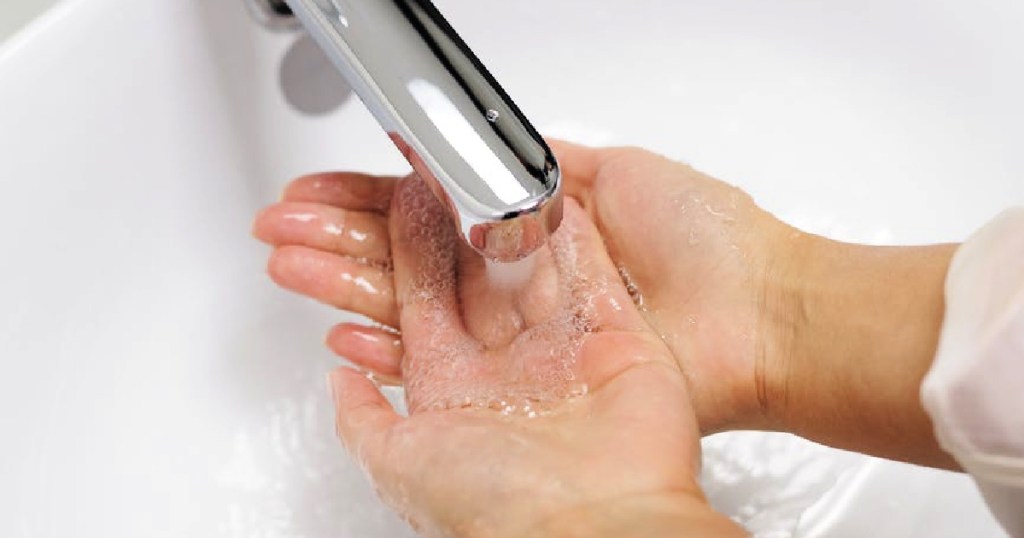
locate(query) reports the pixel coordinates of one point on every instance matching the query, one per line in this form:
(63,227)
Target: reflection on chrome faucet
(449,117)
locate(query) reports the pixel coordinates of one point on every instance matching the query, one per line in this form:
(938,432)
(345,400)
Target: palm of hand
(480,364)
(470,472)
(473,358)
(692,248)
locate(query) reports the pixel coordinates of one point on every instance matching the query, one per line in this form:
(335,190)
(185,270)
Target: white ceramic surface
(17,13)
(154,383)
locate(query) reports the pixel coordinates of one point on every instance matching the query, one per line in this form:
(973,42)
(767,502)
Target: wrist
(648,516)
(781,323)
(855,329)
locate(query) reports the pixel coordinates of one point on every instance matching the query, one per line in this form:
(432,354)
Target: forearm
(860,326)
(642,517)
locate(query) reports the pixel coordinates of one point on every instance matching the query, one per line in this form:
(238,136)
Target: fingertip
(578,165)
(293,187)
(567,153)
(280,265)
(558,145)
(374,349)
(260,226)
(306,188)
(300,269)
(275,263)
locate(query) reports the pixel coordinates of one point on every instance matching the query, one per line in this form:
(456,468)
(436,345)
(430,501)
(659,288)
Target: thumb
(578,165)
(364,418)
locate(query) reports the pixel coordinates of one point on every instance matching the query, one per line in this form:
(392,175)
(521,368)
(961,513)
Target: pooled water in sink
(767,481)
(289,477)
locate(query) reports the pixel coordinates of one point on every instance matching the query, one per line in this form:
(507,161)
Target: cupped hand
(701,259)
(541,407)
(696,254)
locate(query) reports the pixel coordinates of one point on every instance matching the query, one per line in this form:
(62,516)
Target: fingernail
(364,334)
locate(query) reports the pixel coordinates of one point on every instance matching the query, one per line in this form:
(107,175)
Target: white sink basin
(156,384)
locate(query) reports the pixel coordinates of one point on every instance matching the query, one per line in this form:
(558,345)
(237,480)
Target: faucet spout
(455,125)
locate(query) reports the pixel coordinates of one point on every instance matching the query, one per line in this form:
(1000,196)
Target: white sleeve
(974,392)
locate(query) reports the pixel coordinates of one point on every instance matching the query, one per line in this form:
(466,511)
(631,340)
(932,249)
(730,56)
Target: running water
(492,335)
(511,275)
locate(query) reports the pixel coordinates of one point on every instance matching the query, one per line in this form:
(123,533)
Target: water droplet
(693,240)
(301,217)
(631,287)
(493,115)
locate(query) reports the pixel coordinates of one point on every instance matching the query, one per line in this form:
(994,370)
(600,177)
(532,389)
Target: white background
(154,383)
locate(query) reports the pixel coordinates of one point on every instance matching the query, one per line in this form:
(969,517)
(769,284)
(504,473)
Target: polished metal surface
(449,117)
(274,15)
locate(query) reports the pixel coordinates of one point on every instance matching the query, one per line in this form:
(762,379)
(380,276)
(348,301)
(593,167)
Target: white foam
(535,370)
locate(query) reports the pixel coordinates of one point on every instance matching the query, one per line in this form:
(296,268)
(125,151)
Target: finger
(424,243)
(489,303)
(364,418)
(357,234)
(424,249)
(347,190)
(376,350)
(336,280)
(578,165)
(596,279)
(620,338)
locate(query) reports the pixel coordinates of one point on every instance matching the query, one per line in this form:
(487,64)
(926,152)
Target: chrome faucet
(453,122)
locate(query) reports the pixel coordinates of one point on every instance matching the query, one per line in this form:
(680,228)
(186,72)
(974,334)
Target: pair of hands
(700,342)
